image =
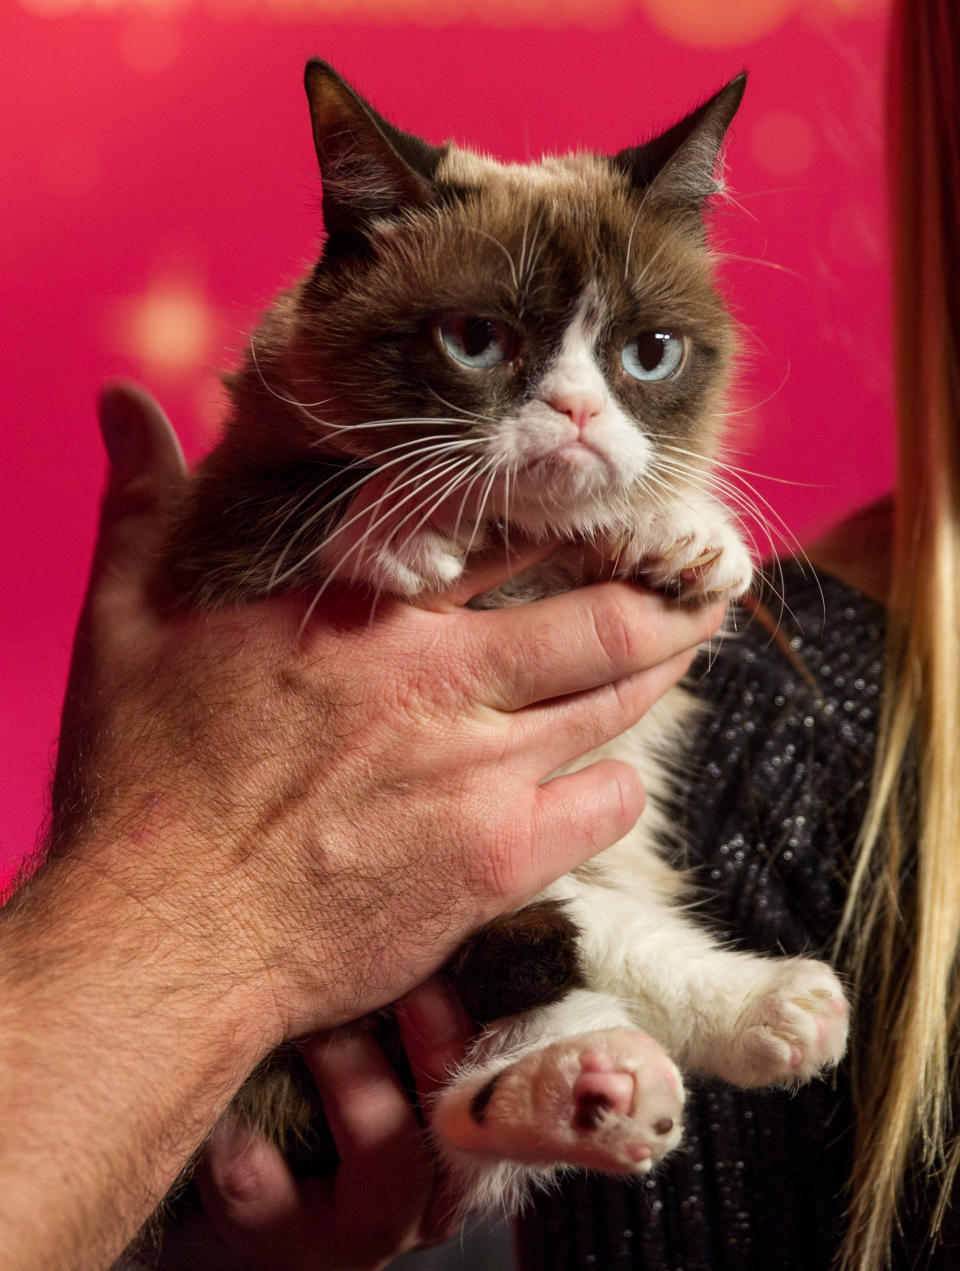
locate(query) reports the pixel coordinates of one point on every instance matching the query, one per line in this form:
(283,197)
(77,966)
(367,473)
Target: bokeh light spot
(718,23)
(170,329)
(150,45)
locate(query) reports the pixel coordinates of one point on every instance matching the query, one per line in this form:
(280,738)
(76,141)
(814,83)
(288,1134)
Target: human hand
(388,1194)
(316,813)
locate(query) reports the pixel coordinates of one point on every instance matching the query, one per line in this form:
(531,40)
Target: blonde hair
(901,926)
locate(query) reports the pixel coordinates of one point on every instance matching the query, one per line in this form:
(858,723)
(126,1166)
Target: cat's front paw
(791,1031)
(610,1100)
(425,561)
(710,562)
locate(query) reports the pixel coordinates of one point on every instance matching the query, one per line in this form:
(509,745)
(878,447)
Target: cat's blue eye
(655,355)
(476,342)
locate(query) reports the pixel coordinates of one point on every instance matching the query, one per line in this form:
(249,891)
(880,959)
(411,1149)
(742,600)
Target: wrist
(91,930)
(117,1053)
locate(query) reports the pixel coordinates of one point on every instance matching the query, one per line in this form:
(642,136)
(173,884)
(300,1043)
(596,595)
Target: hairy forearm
(118,1048)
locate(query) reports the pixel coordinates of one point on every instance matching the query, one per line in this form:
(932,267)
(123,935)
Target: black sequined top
(780,772)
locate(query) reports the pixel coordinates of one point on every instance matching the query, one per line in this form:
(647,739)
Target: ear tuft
(678,166)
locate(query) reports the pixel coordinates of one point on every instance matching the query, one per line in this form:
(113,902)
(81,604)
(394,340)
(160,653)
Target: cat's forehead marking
(557,172)
(575,366)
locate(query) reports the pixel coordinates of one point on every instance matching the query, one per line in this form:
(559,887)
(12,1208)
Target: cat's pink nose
(580,407)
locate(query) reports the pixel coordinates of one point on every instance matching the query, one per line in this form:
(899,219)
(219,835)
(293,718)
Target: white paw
(687,547)
(709,562)
(609,1100)
(424,561)
(793,1030)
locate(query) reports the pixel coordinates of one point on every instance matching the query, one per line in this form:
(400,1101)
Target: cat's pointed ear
(369,169)
(677,168)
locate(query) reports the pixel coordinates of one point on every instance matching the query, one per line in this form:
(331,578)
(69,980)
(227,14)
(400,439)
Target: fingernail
(434,1014)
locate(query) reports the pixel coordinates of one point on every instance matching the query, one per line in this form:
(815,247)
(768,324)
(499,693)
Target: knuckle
(241,1182)
(505,865)
(630,795)
(619,635)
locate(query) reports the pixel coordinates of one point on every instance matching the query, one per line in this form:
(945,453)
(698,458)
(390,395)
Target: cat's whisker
(421,482)
(725,194)
(306,407)
(527,257)
(633,226)
(747,410)
(392,422)
(475,229)
(287,512)
(482,507)
(732,494)
(713,474)
(294,505)
(735,498)
(413,475)
(506,509)
(649,264)
(415,455)
(471,485)
(523,242)
(723,256)
(450,489)
(466,414)
(335,569)
(290,401)
(326,507)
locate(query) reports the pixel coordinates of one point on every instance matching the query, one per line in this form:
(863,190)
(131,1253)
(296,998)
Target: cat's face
(541,340)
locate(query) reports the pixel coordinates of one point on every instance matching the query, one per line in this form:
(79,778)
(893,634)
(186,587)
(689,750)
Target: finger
(580,814)
(489,568)
(560,731)
(435,1031)
(246,1186)
(583,640)
(386,1173)
(370,1116)
(146,474)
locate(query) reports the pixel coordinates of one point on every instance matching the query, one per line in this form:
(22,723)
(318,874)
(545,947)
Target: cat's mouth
(576,460)
(578,454)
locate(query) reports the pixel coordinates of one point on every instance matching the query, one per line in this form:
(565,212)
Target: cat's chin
(578,483)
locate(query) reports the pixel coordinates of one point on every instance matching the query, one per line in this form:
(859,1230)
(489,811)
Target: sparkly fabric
(778,778)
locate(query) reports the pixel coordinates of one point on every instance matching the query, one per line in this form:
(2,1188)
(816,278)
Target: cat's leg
(752,1020)
(574,1083)
(689,546)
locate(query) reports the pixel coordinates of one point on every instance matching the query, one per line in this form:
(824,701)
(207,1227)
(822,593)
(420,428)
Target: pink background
(159,184)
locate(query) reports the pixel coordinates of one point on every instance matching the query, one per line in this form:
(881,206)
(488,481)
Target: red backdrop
(159,184)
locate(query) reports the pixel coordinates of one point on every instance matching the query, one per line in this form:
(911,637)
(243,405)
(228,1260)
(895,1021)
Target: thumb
(145,478)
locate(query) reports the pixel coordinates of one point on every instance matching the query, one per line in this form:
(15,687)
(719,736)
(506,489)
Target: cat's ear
(677,168)
(369,169)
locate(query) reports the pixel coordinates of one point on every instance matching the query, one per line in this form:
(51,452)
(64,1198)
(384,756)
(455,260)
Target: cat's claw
(719,569)
(610,1100)
(691,550)
(793,1031)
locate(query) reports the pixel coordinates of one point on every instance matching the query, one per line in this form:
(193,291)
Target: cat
(485,346)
